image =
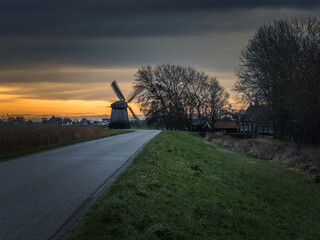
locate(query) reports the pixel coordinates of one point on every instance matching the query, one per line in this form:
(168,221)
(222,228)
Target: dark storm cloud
(111,53)
(123,33)
(115,7)
(119,18)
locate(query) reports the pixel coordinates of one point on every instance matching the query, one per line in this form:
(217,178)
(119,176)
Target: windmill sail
(116,89)
(133,114)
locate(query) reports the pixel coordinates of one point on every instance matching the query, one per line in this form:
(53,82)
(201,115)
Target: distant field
(184,187)
(18,139)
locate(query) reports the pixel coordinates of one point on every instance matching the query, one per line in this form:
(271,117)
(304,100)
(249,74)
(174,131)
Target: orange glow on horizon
(73,91)
(17,105)
(35,99)
(64,108)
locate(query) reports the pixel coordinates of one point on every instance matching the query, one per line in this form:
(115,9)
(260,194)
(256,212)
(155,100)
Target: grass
(183,187)
(17,140)
(272,139)
(302,157)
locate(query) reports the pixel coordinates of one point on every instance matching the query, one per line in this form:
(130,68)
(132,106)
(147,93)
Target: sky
(59,57)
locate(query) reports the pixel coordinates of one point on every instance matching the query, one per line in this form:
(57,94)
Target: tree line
(280,68)
(175,97)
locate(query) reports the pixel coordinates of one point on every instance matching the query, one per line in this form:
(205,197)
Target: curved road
(40,192)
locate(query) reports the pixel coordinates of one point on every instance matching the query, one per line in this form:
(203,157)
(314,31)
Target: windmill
(119,113)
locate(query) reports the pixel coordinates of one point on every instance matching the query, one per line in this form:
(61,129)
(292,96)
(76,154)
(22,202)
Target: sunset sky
(59,57)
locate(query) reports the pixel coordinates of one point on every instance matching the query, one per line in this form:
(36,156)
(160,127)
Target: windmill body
(119,113)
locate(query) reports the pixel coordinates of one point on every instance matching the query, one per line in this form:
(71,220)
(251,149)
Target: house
(256,120)
(55,120)
(19,120)
(105,121)
(44,120)
(226,127)
(97,123)
(84,121)
(10,120)
(67,121)
(200,127)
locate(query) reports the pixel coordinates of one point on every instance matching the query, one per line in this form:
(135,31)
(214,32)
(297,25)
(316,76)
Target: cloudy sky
(59,57)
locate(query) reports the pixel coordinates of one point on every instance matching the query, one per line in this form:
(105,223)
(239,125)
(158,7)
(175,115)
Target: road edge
(75,220)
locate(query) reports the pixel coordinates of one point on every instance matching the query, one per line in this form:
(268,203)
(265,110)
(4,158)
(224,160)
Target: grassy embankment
(302,157)
(17,140)
(183,187)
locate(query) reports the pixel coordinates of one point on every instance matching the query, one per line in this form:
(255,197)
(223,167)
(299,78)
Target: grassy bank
(303,157)
(183,187)
(17,140)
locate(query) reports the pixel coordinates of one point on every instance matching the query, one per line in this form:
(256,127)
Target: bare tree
(173,96)
(280,68)
(218,98)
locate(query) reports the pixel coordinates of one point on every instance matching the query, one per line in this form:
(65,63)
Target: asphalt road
(40,192)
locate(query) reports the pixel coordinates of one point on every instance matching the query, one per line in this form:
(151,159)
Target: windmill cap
(119,104)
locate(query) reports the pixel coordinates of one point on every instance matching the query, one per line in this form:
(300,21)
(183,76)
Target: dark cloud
(173,38)
(117,32)
(38,54)
(120,18)
(142,6)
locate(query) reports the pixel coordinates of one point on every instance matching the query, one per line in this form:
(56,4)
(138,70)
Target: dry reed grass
(305,158)
(19,138)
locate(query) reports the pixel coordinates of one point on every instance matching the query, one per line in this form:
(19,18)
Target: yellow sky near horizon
(13,104)
(77,91)
(37,108)
(65,92)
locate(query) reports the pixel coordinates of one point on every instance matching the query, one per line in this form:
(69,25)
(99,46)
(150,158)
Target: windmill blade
(132,96)
(133,113)
(116,89)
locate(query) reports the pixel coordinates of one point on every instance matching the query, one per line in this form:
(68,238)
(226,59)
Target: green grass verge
(272,139)
(182,187)
(109,133)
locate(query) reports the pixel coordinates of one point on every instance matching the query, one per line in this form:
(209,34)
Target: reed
(19,138)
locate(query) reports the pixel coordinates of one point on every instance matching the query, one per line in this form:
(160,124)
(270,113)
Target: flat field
(20,139)
(184,187)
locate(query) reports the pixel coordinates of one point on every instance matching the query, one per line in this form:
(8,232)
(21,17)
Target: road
(40,192)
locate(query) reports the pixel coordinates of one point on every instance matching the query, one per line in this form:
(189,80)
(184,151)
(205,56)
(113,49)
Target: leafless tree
(174,97)
(280,68)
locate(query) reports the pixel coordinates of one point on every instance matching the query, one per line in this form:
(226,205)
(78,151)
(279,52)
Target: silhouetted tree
(217,99)
(174,96)
(280,68)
